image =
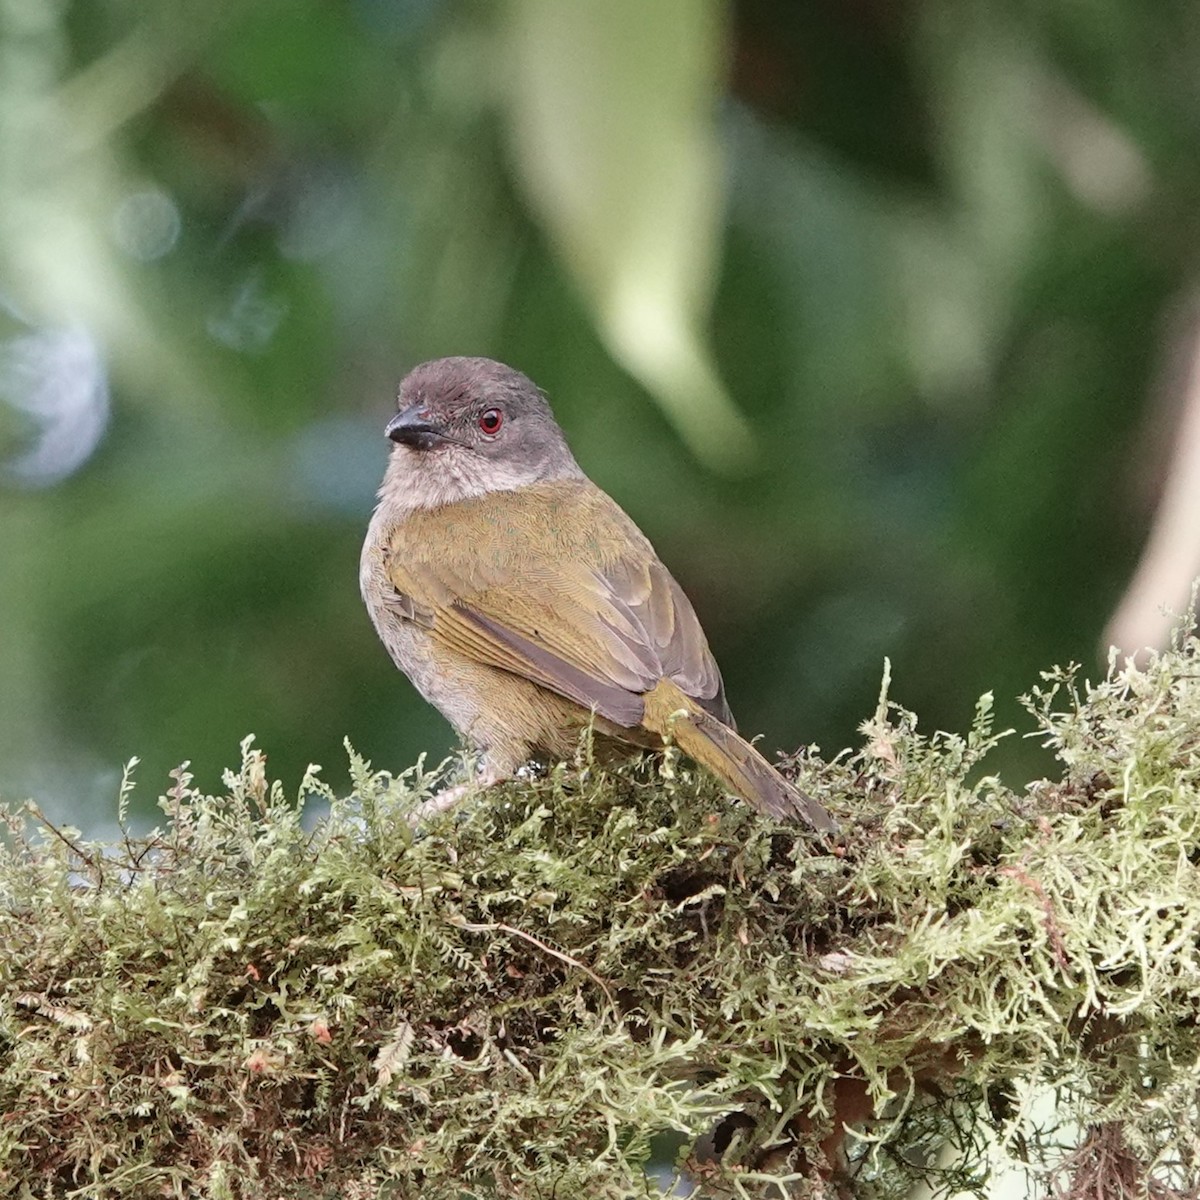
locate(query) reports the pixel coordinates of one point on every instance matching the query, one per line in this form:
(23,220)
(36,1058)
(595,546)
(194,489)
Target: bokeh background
(877,317)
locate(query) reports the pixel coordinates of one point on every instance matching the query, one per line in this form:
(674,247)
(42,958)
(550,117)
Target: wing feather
(559,586)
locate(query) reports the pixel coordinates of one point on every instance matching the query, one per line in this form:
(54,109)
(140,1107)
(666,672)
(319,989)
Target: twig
(500,927)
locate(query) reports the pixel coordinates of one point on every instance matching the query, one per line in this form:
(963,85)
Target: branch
(256,1005)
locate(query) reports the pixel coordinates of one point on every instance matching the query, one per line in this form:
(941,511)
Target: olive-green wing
(564,611)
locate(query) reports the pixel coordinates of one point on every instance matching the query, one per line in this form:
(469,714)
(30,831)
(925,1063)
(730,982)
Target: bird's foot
(448,797)
(439,802)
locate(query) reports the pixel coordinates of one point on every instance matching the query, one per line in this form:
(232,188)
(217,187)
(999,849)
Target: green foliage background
(908,269)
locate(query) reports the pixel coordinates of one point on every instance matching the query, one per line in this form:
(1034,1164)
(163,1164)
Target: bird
(526,606)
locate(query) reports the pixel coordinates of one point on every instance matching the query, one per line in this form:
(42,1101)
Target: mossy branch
(539,992)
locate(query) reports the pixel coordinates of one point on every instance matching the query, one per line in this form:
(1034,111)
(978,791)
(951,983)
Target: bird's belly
(485,705)
(444,679)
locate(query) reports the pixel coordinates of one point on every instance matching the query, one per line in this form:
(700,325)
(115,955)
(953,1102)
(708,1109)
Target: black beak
(412,426)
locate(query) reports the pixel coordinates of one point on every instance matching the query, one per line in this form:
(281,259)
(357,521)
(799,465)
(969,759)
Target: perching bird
(525,605)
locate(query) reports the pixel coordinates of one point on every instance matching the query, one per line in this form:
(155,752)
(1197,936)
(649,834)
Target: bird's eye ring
(490,421)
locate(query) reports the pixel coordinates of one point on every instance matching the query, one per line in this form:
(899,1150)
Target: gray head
(467,426)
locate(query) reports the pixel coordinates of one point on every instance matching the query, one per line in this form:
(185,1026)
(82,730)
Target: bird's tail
(731,758)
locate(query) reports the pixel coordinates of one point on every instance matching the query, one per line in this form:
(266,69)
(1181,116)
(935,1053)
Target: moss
(522,996)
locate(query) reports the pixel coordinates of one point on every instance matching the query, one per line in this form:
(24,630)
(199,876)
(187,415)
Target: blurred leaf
(612,119)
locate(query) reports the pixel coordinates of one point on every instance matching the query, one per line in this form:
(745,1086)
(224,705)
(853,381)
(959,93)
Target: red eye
(490,421)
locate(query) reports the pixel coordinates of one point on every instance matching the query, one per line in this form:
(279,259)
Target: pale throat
(417,479)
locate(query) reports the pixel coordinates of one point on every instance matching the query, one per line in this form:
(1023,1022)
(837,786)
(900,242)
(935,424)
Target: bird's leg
(438,802)
(489,771)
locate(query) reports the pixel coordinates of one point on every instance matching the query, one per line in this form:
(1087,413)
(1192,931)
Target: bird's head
(468,426)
